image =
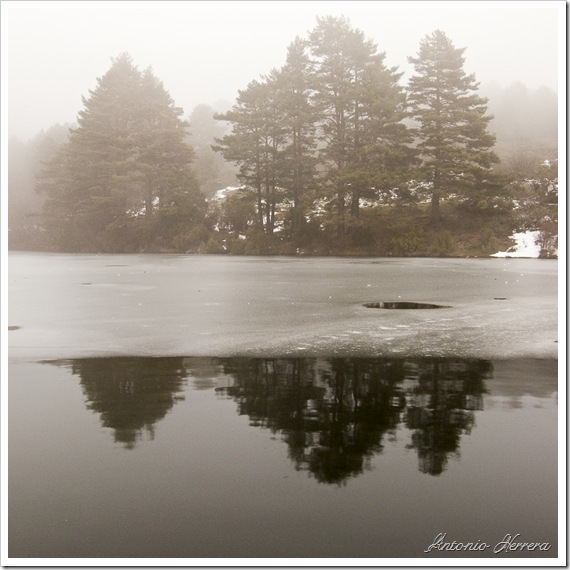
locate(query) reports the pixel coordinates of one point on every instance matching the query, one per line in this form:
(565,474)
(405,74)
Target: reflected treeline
(334,414)
(440,403)
(130,394)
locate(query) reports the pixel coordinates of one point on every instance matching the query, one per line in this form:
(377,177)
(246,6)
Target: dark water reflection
(279,458)
(333,414)
(131,394)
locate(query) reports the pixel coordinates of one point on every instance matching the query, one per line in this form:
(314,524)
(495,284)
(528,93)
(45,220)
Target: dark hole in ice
(13,327)
(403,305)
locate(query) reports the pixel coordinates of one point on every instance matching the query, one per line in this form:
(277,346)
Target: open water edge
(286,457)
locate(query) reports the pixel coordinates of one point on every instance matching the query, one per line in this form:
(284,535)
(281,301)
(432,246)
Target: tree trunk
(260,207)
(435,211)
(148,205)
(341,212)
(272,224)
(295,221)
(355,205)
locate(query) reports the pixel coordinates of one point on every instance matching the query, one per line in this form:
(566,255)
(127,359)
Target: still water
(290,457)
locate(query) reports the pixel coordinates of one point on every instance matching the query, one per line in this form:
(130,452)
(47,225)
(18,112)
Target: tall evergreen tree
(340,55)
(162,157)
(297,159)
(126,159)
(253,144)
(382,153)
(453,140)
(272,139)
(361,107)
(87,182)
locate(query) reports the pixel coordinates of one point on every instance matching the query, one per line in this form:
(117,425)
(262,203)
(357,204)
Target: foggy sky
(205,51)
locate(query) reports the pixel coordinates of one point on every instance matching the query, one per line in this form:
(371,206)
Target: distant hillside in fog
(522,115)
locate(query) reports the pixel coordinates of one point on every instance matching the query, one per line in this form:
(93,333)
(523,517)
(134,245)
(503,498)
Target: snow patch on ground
(526,245)
(222,194)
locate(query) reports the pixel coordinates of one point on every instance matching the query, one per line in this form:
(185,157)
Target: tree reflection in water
(440,402)
(131,394)
(334,414)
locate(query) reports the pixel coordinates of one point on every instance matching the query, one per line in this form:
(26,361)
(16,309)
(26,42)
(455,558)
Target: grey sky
(205,51)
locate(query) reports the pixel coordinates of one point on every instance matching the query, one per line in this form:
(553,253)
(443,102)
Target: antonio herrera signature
(510,543)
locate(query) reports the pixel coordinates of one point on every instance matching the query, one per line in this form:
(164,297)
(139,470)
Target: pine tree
(297,159)
(162,157)
(382,153)
(340,55)
(272,139)
(125,160)
(452,137)
(254,144)
(91,177)
(360,106)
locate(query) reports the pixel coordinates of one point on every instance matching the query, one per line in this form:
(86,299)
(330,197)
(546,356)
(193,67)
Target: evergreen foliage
(123,181)
(327,127)
(453,139)
(253,145)
(332,153)
(361,107)
(297,171)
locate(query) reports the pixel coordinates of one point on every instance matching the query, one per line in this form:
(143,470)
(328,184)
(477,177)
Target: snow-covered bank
(526,245)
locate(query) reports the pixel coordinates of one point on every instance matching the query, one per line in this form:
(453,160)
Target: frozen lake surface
(170,305)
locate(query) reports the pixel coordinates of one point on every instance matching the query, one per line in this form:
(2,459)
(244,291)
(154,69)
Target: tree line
(332,154)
